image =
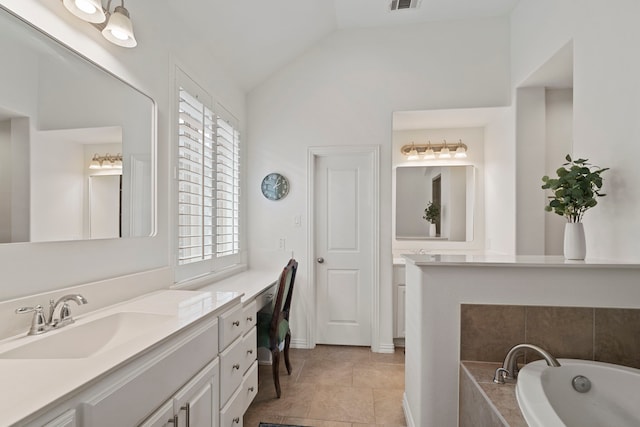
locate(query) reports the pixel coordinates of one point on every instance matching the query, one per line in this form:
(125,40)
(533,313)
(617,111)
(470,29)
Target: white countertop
(249,283)
(510,261)
(33,384)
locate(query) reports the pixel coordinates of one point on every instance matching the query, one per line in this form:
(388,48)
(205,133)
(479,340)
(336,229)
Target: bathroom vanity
(437,285)
(170,357)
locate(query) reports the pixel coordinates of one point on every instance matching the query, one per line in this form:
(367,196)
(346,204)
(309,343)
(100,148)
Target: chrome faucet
(509,369)
(64,313)
(39,324)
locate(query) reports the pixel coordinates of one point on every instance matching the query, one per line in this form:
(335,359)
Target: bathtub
(547,396)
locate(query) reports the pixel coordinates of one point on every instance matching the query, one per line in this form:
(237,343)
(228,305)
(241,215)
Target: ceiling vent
(404,4)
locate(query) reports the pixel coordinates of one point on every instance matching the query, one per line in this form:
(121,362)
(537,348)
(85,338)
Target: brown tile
(341,353)
(562,331)
(503,397)
(396,357)
(388,407)
(295,400)
(379,375)
(346,404)
(487,332)
(474,409)
(482,372)
(617,336)
(327,372)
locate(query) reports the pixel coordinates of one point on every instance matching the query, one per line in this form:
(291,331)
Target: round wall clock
(275,186)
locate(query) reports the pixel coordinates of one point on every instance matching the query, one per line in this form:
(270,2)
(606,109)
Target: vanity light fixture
(106,162)
(431,151)
(115,26)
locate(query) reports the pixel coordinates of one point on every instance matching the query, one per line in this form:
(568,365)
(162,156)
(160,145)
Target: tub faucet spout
(509,369)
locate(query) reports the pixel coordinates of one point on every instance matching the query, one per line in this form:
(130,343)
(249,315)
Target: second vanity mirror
(64,122)
(449,187)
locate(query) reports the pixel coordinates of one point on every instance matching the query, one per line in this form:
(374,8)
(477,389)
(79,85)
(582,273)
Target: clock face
(275,186)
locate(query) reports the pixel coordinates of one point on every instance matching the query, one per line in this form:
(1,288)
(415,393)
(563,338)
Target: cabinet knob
(236,420)
(249,351)
(251,389)
(236,366)
(236,323)
(250,319)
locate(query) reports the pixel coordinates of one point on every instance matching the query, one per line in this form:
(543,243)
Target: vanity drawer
(266,297)
(231,369)
(249,316)
(250,385)
(250,352)
(231,325)
(232,413)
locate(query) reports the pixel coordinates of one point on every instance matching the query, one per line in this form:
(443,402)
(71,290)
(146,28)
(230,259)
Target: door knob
(320,260)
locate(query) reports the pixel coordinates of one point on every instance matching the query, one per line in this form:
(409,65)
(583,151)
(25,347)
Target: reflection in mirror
(104,206)
(57,111)
(450,187)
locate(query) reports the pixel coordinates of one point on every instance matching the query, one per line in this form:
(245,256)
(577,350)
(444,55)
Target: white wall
(343,91)
(606,94)
(559,142)
(499,166)
(163,42)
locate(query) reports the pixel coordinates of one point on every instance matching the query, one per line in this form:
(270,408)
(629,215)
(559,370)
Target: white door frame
(374,155)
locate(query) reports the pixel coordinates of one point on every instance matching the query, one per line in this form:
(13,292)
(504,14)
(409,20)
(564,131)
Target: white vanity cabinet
(399,291)
(177,380)
(195,405)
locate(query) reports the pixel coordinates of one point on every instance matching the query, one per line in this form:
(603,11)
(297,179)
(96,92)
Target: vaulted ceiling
(254,38)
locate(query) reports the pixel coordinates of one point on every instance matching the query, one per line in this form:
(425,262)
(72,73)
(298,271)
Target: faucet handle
(39,322)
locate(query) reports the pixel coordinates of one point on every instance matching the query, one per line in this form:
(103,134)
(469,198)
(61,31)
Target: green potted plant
(432,215)
(574,191)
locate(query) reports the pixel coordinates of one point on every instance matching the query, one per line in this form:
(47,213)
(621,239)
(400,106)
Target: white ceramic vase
(575,247)
(432,229)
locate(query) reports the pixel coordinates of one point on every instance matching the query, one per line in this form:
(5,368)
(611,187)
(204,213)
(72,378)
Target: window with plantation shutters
(208,181)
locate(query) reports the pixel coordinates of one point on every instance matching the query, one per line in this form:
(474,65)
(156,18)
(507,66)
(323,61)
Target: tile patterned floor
(333,386)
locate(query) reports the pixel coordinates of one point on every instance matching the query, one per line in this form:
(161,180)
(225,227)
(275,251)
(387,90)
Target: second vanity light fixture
(431,151)
(115,26)
(106,162)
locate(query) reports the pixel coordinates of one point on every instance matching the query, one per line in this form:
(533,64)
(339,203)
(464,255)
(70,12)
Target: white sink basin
(88,339)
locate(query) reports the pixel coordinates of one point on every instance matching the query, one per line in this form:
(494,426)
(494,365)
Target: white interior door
(344,218)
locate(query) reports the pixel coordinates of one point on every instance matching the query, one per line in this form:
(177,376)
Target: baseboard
(386,348)
(299,343)
(407,412)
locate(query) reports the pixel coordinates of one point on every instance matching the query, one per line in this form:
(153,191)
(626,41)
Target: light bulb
(86,6)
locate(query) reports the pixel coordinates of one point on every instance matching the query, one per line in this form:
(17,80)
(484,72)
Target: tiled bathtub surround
(484,403)
(603,334)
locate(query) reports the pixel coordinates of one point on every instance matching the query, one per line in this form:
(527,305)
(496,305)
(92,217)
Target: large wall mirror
(451,188)
(64,122)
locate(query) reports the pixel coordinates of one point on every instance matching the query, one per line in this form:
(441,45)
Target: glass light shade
(444,153)
(429,154)
(87,10)
(461,153)
(95,163)
(413,154)
(119,29)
